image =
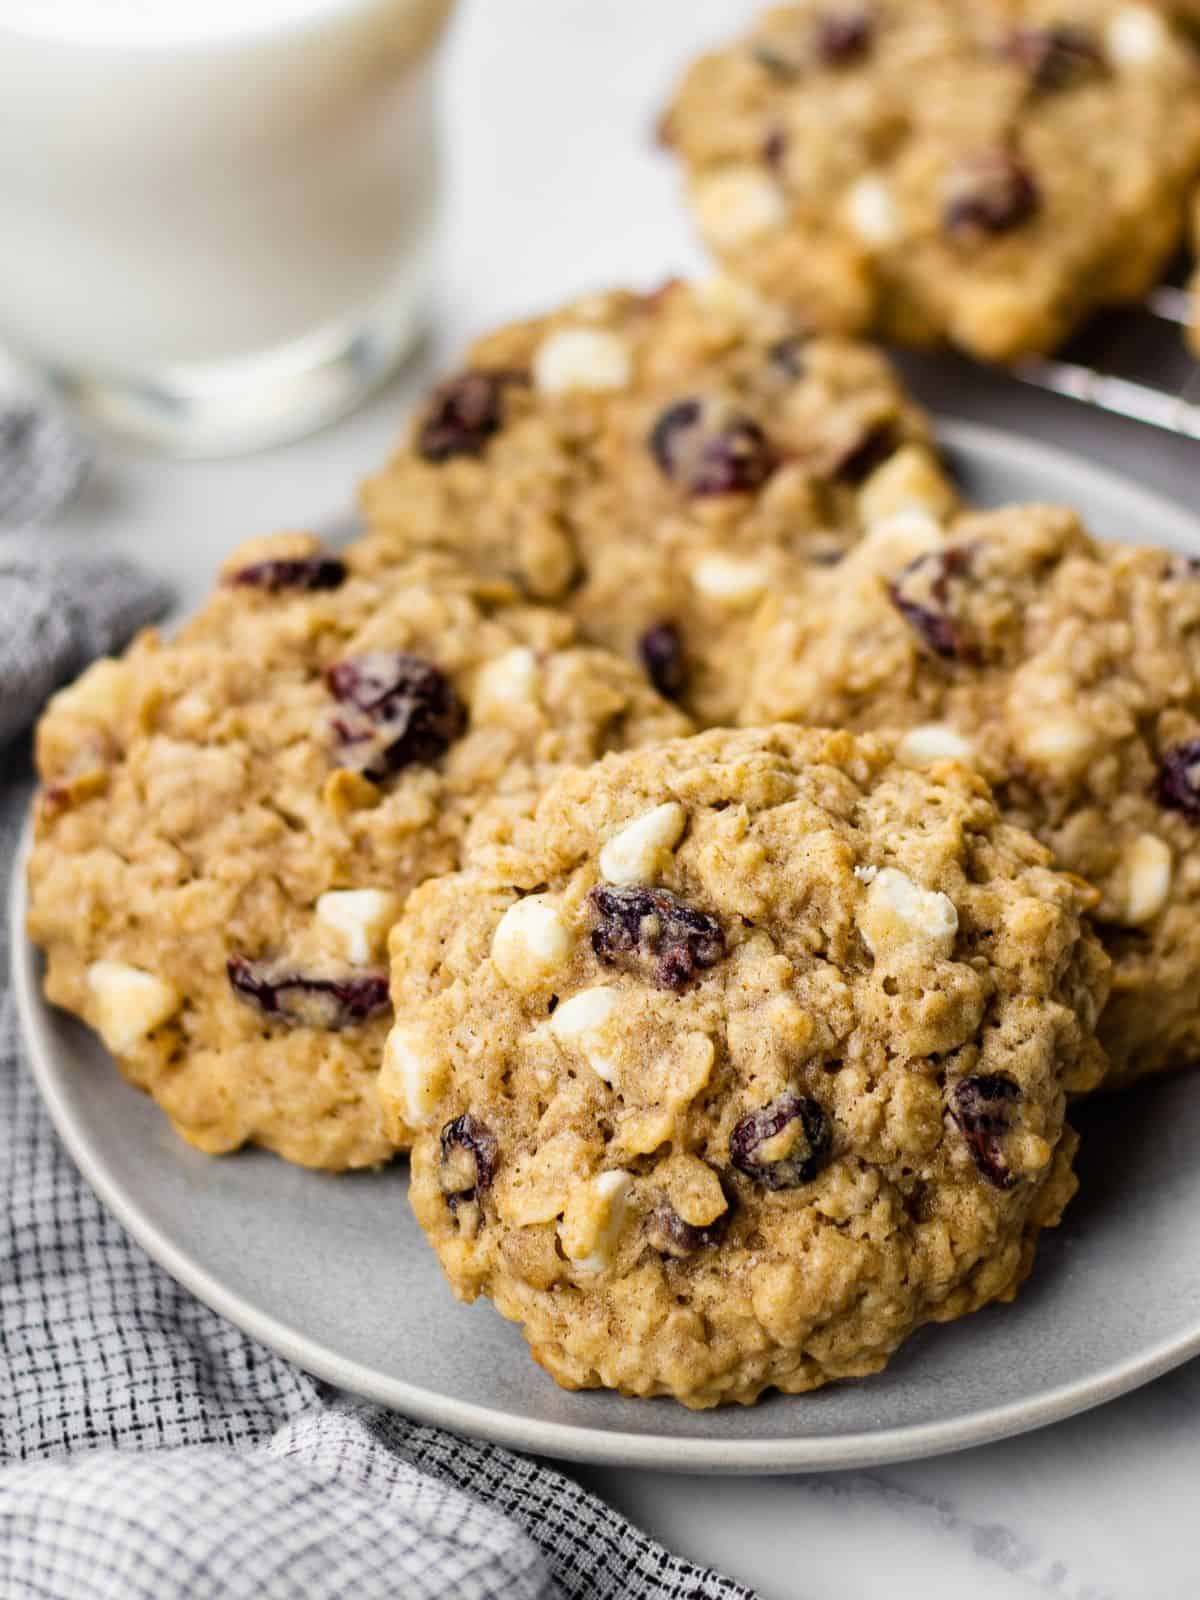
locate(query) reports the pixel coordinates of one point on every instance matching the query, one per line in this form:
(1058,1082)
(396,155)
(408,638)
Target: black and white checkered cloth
(153,1452)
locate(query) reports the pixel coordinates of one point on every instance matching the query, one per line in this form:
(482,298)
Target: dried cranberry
(988,194)
(1178,787)
(1056,58)
(841,37)
(812,1141)
(787,355)
(982,1107)
(652,930)
(398,709)
(291,572)
(661,650)
(670,1235)
(775,148)
(469,1155)
(709,450)
(923,595)
(463,414)
(305,1000)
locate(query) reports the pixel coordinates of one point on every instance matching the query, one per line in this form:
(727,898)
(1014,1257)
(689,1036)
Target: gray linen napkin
(153,1452)
(42,463)
(58,611)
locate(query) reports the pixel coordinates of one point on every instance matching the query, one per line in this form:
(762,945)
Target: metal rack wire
(1178,411)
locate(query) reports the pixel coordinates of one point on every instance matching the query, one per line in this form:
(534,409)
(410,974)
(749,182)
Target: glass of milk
(216,216)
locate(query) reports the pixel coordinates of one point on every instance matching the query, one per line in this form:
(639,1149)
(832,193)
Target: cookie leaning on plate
(229,822)
(1069,673)
(983,171)
(749,1056)
(655,463)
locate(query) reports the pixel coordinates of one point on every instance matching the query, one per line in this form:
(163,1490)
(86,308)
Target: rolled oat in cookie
(1065,671)
(656,464)
(229,822)
(987,172)
(743,1059)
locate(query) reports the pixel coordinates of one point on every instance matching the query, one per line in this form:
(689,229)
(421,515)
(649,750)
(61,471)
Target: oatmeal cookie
(656,463)
(749,1056)
(987,172)
(229,823)
(1069,673)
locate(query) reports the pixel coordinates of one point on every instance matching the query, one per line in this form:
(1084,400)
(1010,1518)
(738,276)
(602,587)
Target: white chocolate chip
(578,1023)
(890,543)
(414,1072)
(899,911)
(361,919)
(908,481)
(871,211)
(737,204)
(129,1002)
(866,874)
(511,680)
(723,296)
(531,942)
(594,359)
(1135,36)
(732,582)
(1148,878)
(192,713)
(933,741)
(1062,743)
(639,852)
(592,1222)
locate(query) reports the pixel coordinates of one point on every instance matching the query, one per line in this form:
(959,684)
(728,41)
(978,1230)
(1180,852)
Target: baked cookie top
(229,823)
(982,171)
(656,463)
(1069,673)
(749,1055)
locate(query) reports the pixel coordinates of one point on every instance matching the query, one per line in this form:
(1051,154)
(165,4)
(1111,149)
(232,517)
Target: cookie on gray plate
(1068,672)
(745,1058)
(987,172)
(655,464)
(229,823)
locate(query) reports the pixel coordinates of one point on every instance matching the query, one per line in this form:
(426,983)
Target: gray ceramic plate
(333,1273)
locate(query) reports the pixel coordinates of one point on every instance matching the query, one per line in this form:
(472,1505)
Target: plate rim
(578,1442)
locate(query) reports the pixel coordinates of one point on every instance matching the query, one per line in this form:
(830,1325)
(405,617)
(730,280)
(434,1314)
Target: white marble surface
(555,187)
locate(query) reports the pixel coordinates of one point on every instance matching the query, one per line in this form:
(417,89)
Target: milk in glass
(217,215)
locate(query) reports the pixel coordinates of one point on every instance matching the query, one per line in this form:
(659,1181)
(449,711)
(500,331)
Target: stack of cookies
(718,854)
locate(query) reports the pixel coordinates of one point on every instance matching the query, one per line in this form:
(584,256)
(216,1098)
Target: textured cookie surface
(748,1057)
(1069,673)
(656,463)
(987,171)
(229,823)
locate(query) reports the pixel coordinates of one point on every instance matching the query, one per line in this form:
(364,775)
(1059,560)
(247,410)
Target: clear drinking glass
(217,215)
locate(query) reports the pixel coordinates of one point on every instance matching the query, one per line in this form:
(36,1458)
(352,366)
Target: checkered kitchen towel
(151,1451)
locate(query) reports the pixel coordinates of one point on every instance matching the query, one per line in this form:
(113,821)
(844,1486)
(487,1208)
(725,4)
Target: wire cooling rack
(1132,363)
